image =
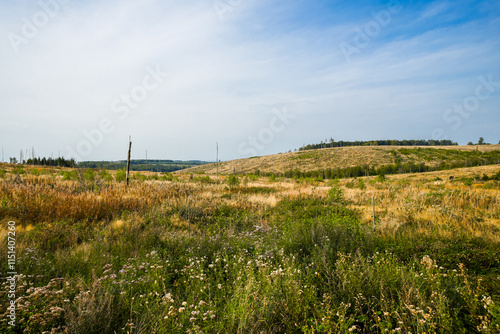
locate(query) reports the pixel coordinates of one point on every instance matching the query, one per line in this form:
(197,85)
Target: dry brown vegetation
(431,200)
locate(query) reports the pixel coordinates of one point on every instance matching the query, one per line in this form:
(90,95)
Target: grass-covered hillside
(366,158)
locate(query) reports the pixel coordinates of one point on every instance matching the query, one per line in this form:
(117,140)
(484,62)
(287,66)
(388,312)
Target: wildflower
(487,301)
(181,309)
(427,261)
(168,298)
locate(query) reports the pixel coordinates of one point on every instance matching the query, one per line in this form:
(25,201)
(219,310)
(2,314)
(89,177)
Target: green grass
(305,265)
(321,273)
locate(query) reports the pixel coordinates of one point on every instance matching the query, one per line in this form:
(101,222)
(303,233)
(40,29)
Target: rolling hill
(363,156)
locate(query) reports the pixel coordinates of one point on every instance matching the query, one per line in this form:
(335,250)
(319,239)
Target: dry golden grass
(430,201)
(434,206)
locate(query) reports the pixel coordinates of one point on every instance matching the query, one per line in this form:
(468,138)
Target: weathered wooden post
(217,160)
(373,206)
(128,157)
(189,216)
(186,193)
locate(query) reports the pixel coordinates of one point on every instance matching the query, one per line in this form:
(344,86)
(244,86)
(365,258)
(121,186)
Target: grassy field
(187,253)
(341,157)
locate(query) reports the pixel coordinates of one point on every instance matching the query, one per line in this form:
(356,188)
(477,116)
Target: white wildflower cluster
(487,301)
(277,272)
(168,298)
(428,262)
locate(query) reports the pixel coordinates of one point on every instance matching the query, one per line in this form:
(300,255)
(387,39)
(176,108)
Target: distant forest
(59,162)
(333,143)
(164,166)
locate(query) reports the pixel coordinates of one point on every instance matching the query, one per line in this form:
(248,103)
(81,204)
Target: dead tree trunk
(128,157)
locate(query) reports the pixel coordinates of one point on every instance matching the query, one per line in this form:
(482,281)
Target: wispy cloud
(435,8)
(225,77)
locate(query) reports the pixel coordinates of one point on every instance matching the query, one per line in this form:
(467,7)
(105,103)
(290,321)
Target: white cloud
(227,76)
(436,8)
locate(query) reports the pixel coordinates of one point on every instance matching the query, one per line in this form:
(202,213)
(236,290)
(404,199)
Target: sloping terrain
(342,157)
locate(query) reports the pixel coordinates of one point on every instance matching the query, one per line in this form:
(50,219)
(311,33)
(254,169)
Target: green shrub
(319,178)
(335,195)
(139,177)
(233,180)
(253,177)
(89,175)
(167,177)
(491,185)
(333,183)
(105,175)
(203,179)
(258,190)
(121,175)
(468,181)
(18,170)
(35,172)
(70,175)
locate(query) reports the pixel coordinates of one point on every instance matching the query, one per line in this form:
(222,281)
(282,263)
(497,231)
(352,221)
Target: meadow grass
(207,255)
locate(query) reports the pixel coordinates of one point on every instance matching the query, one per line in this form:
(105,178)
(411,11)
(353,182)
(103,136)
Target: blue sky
(259,77)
